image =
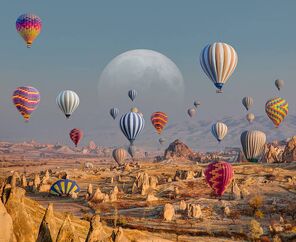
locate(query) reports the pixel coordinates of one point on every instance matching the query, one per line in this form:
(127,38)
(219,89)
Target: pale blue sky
(80,37)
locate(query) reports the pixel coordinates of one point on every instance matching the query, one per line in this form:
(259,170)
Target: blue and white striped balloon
(114,112)
(218,61)
(132,94)
(131,125)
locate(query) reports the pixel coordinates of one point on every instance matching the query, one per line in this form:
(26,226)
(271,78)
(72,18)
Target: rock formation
(67,232)
(235,191)
(168,212)
(151,198)
(272,154)
(178,149)
(184,175)
(144,183)
(182,205)
(289,153)
(96,231)
(48,228)
(98,196)
(113,194)
(24,183)
(6,225)
(119,236)
(194,211)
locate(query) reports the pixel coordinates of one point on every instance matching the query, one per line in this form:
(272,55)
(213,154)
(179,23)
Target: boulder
(6,225)
(96,231)
(235,191)
(194,211)
(168,212)
(48,228)
(182,205)
(289,153)
(227,211)
(67,232)
(178,149)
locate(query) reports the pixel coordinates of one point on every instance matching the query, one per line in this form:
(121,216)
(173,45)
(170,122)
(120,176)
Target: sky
(79,39)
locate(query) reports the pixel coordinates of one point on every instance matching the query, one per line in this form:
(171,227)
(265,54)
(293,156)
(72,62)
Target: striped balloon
(219,175)
(76,135)
(248,102)
(26,100)
(159,120)
(218,61)
(29,27)
(119,155)
(64,187)
(250,117)
(276,109)
(191,112)
(131,125)
(219,130)
(253,142)
(68,101)
(114,112)
(132,94)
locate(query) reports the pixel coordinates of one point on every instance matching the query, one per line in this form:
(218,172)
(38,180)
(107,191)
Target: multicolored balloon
(131,125)
(248,102)
(132,94)
(219,175)
(119,155)
(279,84)
(29,27)
(64,187)
(276,109)
(76,135)
(191,112)
(219,130)
(159,120)
(253,142)
(218,61)
(26,100)
(250,117)
(114,112)
(68,101)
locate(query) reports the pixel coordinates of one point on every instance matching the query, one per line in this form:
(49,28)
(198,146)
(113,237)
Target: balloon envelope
(119,155)
(196,103)
(248,102)
(114,112)
(219,175)
(276,109)
(161,140)
(132,94)
(29,27)
(132,150)
(250,117)
(64,187)
(279,84)
(159,120)
(218,61)
(191,112)
(68,101)
(131,125)
(76,135)
(219,130)
(253,142)
(26,100)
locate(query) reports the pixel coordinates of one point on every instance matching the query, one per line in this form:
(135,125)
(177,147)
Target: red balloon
(159,120)
(76,135)
(219,175)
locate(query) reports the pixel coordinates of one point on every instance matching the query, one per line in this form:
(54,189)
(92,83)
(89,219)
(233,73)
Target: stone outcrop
(67,232)
(96,231)
(182,205)
(272,154)
(48,228)
(119,236)
(6,225)
(98,196)
(168,212)
(113,194)
(151,198)
(184,175)
(178,149)
(24,183)
(235,191)
(289,153)
(194,211)
(144,183)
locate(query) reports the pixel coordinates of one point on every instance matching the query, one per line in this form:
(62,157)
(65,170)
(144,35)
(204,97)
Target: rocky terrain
(149,200)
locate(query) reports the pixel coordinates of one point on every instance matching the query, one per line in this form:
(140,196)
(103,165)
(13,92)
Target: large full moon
(156,78)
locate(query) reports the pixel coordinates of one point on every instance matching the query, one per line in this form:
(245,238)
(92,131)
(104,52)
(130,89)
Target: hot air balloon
(132,94)
(219,175)
(76,135)
(219,130)
(159,120)
(68,101)
(26,100)
(250,117)
(248,102)
(253,142)
(276,109)
(64,187)
(114,112)
(218,61)
(196,103)
(119,155)
(132,151)
(191,112)
(135,110)
(131,125)
(161,141)
(279,84)
(29,27)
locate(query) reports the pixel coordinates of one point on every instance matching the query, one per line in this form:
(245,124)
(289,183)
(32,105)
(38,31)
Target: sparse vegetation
(255,203)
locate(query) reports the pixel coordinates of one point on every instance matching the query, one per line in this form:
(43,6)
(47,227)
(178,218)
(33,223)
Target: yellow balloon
(134,110)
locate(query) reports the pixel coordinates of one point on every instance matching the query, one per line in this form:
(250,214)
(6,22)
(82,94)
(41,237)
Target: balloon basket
(219,91)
